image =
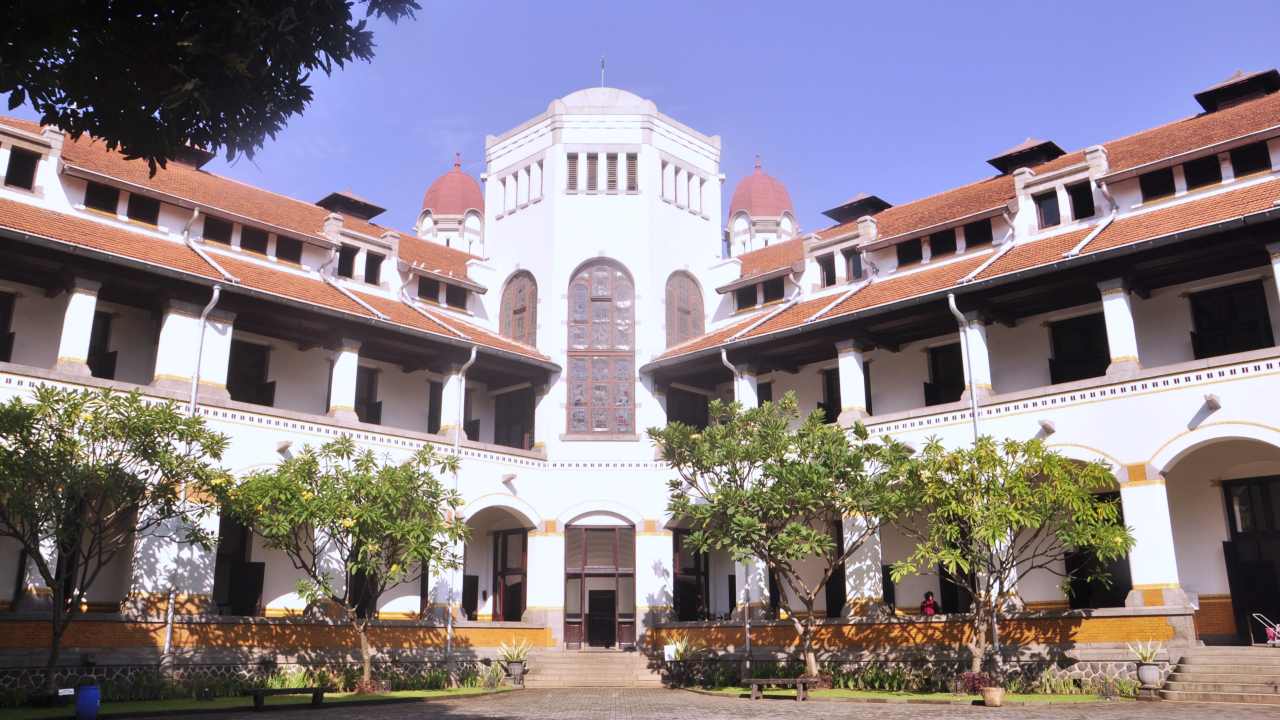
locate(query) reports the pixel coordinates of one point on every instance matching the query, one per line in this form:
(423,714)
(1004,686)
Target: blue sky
(897,99)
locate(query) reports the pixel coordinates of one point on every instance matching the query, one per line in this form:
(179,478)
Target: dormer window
(773,289)
(852,264)
(942,243)
(1156,184)
(745,297)
(977,234)
(1047,209)
(143,209)
(289,249)
(102,198)
(1081,196)
(253,240)
(1202,172)
(21,172)
(827,265)
(455,297)
(429,289)
(373,268)
(347,261)
(1250,159)
(910,252)
(217,230)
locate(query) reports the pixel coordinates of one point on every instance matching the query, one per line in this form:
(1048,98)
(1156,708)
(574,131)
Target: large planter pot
(993,696)
(1149,674)
(516,669)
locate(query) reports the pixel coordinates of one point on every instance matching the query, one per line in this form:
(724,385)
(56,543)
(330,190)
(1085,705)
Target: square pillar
(544,601)
(1153,565)
(655,592)
(853,386)
(77,326)
(342,380)
(863,576)
(177,349)
(1273,249)
(744,386)
(453,396)
(1122,338)
(752,579)
(977,361)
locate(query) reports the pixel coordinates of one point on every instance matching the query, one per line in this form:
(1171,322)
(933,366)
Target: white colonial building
(1118,301)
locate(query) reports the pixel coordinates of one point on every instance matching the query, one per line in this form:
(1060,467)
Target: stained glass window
(684,308)
(601,350)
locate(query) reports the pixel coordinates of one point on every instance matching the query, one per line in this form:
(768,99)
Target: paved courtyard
(608,704)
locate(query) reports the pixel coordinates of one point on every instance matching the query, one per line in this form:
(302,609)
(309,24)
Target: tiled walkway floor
(621,704)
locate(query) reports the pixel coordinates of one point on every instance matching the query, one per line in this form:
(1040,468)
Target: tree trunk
(58,629)
(366,662)
(805,628)
(978,641)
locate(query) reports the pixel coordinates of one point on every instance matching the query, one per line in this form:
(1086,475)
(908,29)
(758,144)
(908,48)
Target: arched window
(601,350)
(684,308)
(519,318)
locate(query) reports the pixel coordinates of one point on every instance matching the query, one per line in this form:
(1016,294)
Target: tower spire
(457,160)
(601,71)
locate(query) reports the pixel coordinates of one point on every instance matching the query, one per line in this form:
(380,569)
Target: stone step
(1228,669)
(1217,697)
(1223,687)
(1239,659)
(1225,677)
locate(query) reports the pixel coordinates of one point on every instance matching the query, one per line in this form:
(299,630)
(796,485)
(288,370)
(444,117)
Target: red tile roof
(761,195)
(771,257)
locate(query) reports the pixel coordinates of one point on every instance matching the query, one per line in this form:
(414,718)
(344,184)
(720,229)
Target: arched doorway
(600,582)
(495,566)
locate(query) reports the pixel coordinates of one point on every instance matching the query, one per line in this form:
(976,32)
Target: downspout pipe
(968,362)
(746,569)
(457,445)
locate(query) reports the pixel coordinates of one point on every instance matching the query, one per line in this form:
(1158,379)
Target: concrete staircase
(1226,675)
(589,668)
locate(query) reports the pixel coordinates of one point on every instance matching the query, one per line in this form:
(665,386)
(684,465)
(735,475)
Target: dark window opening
(853,264)
(7,302)
(237,582)
(888,593)
(1083,566)
(775,594)
(1047,209)
(764,393)
(866,384)
(830,404)
(687,407)
(22,168)
(745,297)
(1081,196)
(827,265)
(773,289)
(289,250)
(836,590)
(102,360)
(347,261)
(216,230)
(953,591)
(373,268)
(253,240)
(1156,184)
(977,234)
(513,419)
(1202,172)
(247,369)
(946,375)
(1250,159)
(909,252)
(1079,348)
(1253,519)
(429,289)
(368,409)
(455,297)
(101,197)
(435,395)
(1230,319)
(510,558)
(942,243)
(143,209)
(691,597)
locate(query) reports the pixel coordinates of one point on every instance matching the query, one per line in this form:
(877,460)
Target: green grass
(230,703)
(902,696)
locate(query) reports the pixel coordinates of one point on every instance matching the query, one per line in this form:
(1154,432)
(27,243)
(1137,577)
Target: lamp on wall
(509,479)
(282,447)
(1212,402)
(1047,428)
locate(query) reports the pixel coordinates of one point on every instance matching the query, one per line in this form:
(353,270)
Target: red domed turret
(454,193)
(761,195)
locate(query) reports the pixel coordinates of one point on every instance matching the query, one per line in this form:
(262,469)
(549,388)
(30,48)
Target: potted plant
(1148,669)
(515,656)
(992,696)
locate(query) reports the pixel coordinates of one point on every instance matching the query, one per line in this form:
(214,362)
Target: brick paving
(644,704)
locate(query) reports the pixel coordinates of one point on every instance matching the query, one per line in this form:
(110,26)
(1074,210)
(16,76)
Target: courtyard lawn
(183,705)
(888,696)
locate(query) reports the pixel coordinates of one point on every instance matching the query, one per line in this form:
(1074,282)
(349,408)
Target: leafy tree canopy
(152,76)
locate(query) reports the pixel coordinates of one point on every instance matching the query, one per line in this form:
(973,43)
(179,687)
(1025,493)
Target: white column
(176,350)
(1273,249)
(745,383)
(544,602)
(1122,339)
(977,361)
(162,564)
(1153,565)
(752,579)
(342,382)
(453,395)
(655,546)
(853,387)
(77,325)
(864,586)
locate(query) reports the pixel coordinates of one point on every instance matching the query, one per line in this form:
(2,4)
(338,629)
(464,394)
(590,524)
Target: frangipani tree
(84,473)
(994,512)
(353,524)
(757,485)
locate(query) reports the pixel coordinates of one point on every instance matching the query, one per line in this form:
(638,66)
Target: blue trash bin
(88,699)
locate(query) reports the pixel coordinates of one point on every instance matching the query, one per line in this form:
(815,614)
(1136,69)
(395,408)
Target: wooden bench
(259,695)
(801,684)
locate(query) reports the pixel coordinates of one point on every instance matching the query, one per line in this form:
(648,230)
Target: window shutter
(593,172)
(633,172)
(611,172)
(573,539)
(571,173)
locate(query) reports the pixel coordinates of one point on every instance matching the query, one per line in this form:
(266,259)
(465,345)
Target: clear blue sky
(896,99)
